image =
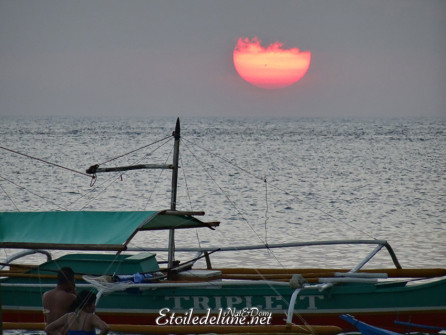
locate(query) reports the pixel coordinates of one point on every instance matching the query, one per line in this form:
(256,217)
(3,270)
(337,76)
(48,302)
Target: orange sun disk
(271,67)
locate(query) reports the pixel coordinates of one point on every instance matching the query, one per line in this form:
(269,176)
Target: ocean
(265,180)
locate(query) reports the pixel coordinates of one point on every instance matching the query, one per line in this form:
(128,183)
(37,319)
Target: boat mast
(173,200)
(174,167)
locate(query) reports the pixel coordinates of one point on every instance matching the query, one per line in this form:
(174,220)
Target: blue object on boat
(365,328)
(140,277)
(136,278)
(410,324)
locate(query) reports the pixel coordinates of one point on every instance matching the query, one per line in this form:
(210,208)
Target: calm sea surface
(266,181)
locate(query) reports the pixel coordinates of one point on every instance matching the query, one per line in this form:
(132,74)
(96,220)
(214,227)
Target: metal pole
(173,201)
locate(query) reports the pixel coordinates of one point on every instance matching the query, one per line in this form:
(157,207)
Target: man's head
(65,276)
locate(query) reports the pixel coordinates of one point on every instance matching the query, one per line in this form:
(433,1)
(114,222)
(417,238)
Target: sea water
(266,181)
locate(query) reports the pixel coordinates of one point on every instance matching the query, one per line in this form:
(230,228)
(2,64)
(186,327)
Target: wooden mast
(173,200)
(174,167)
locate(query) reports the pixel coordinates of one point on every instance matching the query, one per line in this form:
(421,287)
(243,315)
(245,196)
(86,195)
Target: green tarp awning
(84,229)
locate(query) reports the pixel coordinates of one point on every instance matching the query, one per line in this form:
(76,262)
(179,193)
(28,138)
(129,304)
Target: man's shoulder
(49,293)
(65,295)
(58,294)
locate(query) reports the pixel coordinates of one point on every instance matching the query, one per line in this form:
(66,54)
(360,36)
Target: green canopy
(85,229)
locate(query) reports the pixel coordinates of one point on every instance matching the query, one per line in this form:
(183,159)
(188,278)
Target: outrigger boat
(135,290)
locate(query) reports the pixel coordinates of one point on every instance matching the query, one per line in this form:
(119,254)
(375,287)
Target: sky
(150,58)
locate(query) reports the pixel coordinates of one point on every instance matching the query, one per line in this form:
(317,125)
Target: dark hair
(65,275)
(84,298)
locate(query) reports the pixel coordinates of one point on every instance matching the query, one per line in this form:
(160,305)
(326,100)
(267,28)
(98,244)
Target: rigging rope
(130,152)
(271,252)
(44,161)
(187,186)
(224,159)
(284,191)
(189,199)
(266,211)
(119,175)
(157,181)
(236,208)
(33,193)
(78,172)
(7,195)
(282,298)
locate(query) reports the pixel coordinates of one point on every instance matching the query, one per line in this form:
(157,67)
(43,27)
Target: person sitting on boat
(58,301)
(82,321)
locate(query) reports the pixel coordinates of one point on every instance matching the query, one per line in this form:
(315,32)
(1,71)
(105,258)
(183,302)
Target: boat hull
(151,304)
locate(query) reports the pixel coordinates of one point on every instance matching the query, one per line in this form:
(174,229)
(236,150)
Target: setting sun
(272,67)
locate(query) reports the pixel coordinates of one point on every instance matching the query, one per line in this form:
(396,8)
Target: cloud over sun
(271,67)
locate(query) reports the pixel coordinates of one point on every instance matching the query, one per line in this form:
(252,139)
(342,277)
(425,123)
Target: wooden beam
(198,329)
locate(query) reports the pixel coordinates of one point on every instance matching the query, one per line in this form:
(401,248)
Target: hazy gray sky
(174,58)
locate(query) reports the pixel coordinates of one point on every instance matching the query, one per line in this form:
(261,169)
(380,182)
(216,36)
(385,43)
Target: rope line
(266,211)
(227,197)
(237,209)
(118,176)
(44,161)
(284,191)
(130,152)
(7,195)
(271,252)
(225,160)
(189,199)
(157,181)
(33,193)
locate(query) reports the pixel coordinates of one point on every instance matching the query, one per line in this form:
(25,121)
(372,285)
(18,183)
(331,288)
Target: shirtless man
(57,301)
